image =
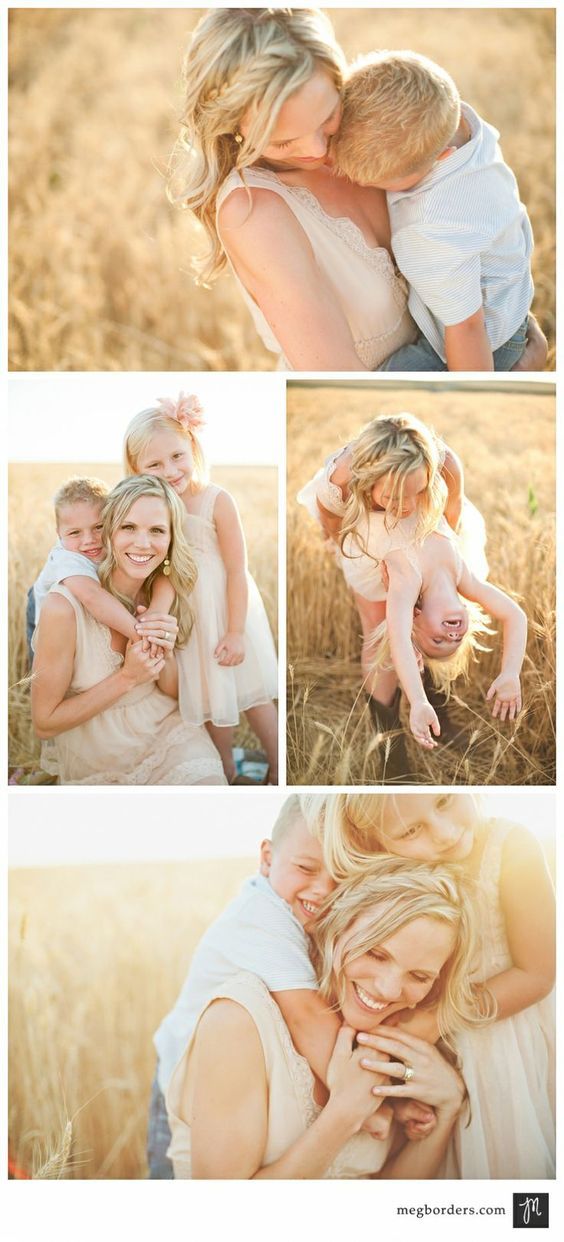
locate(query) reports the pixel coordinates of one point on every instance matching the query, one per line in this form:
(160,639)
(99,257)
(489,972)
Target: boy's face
(79,527)
(297,872)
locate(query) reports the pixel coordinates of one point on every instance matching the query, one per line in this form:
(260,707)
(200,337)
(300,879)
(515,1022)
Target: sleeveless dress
(206,690)
(366,284)
(291,1107)
(508,1066)
(140,740)
(361,568)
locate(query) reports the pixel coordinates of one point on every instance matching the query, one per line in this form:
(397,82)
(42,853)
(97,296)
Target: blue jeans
(158,1136)
(422,357)
(30,623)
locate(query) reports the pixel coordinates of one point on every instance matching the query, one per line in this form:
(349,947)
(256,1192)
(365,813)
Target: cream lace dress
(140,740)
(367,286)
(206,690)
(508,1066)
(360,562)
(291,1107)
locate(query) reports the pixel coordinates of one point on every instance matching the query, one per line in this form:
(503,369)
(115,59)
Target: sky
(109,825)
(81,417)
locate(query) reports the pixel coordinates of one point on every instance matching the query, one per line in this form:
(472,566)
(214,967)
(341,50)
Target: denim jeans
(158,1136)
(422,357)
(30,623)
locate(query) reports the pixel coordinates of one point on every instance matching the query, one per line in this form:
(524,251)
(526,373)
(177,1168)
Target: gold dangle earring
(166,566)
(238,138)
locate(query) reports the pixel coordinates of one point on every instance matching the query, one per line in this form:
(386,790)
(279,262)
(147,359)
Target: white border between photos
(61,1211)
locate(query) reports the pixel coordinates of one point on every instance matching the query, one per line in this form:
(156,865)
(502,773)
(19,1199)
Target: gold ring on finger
(408,1072)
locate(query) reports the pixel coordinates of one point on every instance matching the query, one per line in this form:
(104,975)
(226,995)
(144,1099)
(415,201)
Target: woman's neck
(124,585)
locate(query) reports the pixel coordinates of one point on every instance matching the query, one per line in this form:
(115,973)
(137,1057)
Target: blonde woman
(398,938)
(108,708)
(310,252)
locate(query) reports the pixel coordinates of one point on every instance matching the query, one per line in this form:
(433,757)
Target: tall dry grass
(99,262)
(506,442)
(97,956)
(32,533)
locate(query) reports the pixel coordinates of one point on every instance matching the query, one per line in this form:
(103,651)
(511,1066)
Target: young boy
(75,558)
(263,930)
(460,234)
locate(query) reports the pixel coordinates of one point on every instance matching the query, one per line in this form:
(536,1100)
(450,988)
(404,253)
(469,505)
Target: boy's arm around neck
(102,605)
(312,1024)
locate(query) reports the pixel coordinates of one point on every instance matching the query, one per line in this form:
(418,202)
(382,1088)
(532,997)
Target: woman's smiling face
(168,456)
(305,124)
(398,973)
(141,542)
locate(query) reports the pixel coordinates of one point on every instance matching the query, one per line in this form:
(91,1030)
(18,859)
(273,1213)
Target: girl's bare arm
(527,901)
(506,689)
(403,590)
(453,476)
(274,259)
(230,649)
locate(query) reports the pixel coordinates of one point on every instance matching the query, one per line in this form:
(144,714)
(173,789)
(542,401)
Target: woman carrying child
(228,666)
(109,706)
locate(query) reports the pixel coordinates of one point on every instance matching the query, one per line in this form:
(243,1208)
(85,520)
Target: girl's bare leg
(263,720)
(381,685)
(222,739)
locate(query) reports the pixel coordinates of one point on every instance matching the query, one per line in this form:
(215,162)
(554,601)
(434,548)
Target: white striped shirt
(463,239)
(60,564)
(256,932)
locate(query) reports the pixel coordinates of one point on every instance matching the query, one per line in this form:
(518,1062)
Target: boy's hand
(422,719)
(421,1022)
(417,1119)
(378,1125)
(230,650)
(506,693)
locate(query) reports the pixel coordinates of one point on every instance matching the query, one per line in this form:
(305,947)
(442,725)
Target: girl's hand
(379,1123)
(433,1080)
(417,1119)
(350,1088)
(422,719)
(420,1022)
(159,630)
(230,650)
(140,666)
(506,691)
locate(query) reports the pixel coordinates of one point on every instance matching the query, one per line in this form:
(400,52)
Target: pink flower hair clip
(188,411)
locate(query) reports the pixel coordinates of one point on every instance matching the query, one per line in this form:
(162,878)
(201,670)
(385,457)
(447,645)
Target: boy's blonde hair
(77,489)
(241,63)
(400,111)
(395,445)
(149,423)
(289,812)
(183,573)
(392,893)
(352,828)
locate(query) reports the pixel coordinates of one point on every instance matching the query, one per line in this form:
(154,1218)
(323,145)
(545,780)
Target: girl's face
(305,124)
(140,543)
(395,974)
(168,456)
(414,487)
(429,827)
(439,626)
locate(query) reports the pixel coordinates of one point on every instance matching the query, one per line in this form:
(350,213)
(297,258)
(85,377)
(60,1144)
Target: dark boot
(396,767)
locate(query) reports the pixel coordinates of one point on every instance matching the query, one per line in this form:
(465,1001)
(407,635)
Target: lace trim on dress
(298,1068)
(140,775)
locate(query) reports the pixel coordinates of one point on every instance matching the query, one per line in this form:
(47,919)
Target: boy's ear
(447,151)
(265,857)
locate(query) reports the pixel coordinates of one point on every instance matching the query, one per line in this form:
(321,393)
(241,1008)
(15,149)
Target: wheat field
(506,442)
(32,533)
(100,262)
(83,1007)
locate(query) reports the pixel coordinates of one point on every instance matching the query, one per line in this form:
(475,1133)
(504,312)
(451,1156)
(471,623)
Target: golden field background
(32,534)
(506,442)
(97,957)
(99,261)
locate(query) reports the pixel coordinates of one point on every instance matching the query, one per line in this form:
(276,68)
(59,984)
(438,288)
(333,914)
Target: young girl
(385,491)
(229,664)
(508,1066)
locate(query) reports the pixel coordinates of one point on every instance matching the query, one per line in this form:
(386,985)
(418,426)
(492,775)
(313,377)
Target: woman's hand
(159,630)
(230,650)
(422,719)
(506,692)
(433,1080)
(348,1093)
(140,666)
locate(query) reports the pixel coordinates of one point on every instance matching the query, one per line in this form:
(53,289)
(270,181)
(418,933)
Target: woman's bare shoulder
(57,607)
(262,230)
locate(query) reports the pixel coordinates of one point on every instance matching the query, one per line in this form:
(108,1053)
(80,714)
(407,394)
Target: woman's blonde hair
(182,569)
(392,893)
(351,827)
(147,424)
(394,445)
(241,63)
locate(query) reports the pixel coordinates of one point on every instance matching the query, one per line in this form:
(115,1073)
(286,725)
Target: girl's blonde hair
(392,893)
(351,828)
(394,445)
(183,573)
(149,423)
(241,63)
